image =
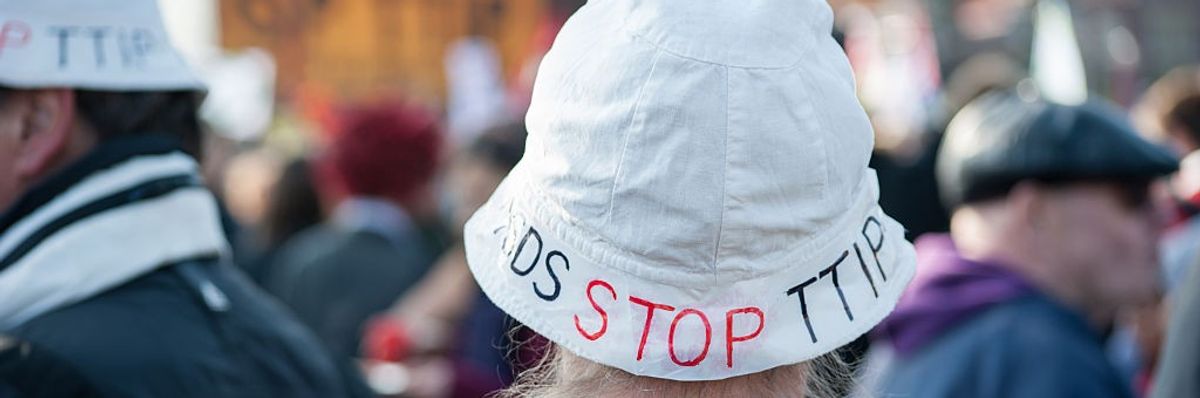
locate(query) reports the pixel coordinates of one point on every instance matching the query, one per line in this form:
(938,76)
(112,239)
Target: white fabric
(126,174)
(93,44)
(107,249)
(476,97)
(709,156)
(1056,63)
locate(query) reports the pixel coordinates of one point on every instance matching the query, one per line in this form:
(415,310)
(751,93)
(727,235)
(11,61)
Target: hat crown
(742,33)
(118,45)
(699,137)
(705,161)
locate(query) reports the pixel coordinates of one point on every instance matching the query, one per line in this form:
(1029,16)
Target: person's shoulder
(149,327)
(28,370)
(312,242)
(1035,322)
(1032,326)
(302,255)
(160,333)
(324,244)
(1047,346)
(109,323)
(1024,347)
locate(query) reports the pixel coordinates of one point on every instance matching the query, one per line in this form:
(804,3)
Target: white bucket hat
(694,202)
(116,45)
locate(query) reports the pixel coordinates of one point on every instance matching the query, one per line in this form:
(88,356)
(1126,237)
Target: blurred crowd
(1047,169)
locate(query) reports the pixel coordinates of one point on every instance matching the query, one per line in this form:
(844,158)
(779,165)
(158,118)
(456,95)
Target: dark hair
(114,114)
(501,146)
(1186,114)
(293,203)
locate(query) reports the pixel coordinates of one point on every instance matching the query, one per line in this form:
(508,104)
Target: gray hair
(561,374)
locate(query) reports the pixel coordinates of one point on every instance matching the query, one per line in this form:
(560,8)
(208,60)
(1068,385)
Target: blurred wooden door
(354,48)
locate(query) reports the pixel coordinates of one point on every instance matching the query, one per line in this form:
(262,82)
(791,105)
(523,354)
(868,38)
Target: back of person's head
(114,114)
(694,214)
(386,149)
(293,204)
(978,75)
(562,374)
(501,146)
(481,166)
(1169,112)
(72,80)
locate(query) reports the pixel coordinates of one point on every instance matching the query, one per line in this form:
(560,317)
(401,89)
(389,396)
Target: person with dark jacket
(1051,232)
(114,271)
(445,326)
(378,170)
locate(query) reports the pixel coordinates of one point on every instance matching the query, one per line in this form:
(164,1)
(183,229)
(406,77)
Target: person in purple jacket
(1052,231)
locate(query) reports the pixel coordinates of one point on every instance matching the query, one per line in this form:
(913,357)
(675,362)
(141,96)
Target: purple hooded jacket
(976,329)
(945,292)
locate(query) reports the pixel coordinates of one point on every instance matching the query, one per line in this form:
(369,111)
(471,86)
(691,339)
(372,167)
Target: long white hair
(561,374)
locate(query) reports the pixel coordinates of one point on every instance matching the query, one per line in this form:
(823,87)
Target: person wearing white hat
(694,214)
(114,279)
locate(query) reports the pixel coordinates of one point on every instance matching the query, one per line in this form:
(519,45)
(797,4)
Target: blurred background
(352,138)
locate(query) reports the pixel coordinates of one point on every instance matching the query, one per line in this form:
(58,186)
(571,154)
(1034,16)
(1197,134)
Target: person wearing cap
(1052,231)
(114,279)
(694,214)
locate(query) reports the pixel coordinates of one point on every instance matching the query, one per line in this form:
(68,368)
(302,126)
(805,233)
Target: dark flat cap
(1001,139)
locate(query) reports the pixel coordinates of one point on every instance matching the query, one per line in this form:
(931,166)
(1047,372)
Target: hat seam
(724,182)
(822,125)
(633,115)
(803,49)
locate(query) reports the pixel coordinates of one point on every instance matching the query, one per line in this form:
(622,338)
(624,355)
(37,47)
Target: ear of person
(47,130)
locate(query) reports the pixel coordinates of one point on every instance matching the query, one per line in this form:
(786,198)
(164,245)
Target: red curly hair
(383,149)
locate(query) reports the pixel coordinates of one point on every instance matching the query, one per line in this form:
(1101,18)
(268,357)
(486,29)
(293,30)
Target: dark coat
(976,329)
(157,336)
(1027,347)
(336,280)
(173,321)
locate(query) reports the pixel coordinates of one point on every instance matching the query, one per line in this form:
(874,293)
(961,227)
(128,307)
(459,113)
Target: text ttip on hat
(751,320)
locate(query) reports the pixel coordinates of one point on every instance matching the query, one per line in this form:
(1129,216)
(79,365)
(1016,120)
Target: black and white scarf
(105,221)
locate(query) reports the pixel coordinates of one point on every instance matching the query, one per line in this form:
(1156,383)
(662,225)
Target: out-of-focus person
(445,321)
(243,192)
(293,206)
(694,215)
(907,183)
(1170,112)
(378,170)
(1052,232)
(1179,361)
(115,277)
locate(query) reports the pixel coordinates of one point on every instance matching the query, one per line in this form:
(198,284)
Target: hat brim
(525,261)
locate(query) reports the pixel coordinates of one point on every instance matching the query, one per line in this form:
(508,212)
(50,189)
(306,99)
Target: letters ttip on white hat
(93,44)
